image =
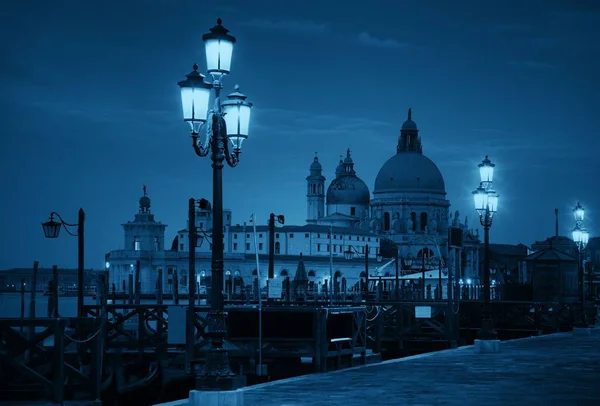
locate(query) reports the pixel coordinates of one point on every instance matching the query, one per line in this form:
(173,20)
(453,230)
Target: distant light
(107,265)
(468,281)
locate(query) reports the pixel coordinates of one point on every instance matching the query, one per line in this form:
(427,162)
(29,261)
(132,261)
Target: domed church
(409,204)
(408,207)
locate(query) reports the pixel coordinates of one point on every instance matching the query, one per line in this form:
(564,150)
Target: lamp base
(581,331)
(216,398)
(487,346)
(220,383)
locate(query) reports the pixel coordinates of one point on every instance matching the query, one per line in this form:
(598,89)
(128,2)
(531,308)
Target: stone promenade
(557,369)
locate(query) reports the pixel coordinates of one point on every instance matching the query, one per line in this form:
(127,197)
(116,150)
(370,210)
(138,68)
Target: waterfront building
(408,207)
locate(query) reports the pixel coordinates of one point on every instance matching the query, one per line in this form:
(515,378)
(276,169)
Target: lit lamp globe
(492,202)
(585,236)
(480,198)
(577,235)
(578,212)
(237,118)
(219,50)
(51,228)
(486,170)
(195,96)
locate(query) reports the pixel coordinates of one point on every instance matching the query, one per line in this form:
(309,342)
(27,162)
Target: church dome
(348,190)
(409,125)
(316,165)
(409,172)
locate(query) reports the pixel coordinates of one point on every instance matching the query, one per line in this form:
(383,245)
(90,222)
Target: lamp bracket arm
(204,233)
(232,158)
(202,148)
(64,224)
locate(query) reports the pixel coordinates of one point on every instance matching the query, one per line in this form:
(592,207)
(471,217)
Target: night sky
(91,111)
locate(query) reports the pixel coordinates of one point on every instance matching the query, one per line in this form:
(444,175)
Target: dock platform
(558,369)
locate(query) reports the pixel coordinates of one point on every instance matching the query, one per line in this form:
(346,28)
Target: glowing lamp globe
(577,237)
(237,117)
(486,170)
(480,198)
(492,201)
(51,228)
(219,50)
(195,95)
(585,236)
(578,212)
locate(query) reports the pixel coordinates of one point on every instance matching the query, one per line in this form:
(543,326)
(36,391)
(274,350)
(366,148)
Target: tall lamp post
(52,230)
(226,127)
(581,237)
(486,204)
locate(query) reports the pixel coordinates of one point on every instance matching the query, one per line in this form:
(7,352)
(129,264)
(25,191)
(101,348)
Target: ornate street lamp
(486,205)
(581,237)
(226,127)
(52,230)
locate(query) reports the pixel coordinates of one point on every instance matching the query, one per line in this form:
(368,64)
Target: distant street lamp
(226,129)
(486,204)
(581,237)
(52,230)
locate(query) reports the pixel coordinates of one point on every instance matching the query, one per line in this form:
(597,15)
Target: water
(10,305)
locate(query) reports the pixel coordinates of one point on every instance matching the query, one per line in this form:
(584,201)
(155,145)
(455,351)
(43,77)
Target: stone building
(408,207)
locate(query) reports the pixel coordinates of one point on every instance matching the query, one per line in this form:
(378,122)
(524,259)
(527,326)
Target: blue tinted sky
(91,111)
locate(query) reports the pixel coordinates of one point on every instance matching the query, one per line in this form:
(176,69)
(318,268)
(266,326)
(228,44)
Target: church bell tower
(315,195)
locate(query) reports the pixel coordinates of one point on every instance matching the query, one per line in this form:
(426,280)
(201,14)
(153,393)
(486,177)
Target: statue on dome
(434,223)
(456,221)
(408,224)
(396,223)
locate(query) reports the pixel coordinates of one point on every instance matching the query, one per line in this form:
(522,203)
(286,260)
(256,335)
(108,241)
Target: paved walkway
(557,369)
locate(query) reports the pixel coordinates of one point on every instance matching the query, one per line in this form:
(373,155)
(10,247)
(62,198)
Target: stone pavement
(557,369)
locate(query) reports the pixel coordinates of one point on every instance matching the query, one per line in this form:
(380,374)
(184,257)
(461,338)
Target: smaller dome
(144,202)
(316,166)
(348,190)
(409,125)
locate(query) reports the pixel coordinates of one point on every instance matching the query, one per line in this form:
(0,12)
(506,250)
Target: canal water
(10,305)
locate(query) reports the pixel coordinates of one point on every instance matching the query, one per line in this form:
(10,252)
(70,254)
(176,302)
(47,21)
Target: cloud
(530,64)
(305,27)
(367,39)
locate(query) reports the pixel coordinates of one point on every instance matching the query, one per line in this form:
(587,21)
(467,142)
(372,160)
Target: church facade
(408,207)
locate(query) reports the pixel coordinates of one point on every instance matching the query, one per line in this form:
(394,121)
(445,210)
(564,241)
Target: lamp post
(226,127)
(52,230)
(581,237)
(486,204)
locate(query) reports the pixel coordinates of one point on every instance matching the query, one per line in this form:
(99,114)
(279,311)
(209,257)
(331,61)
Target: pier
(561,369)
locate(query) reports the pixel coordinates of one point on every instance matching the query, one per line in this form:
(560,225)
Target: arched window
(312,273)
(337,275)
(423,221)
(136,244)
(386,221)
(255,273)
(413,218)
(277,247)
(284,273)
